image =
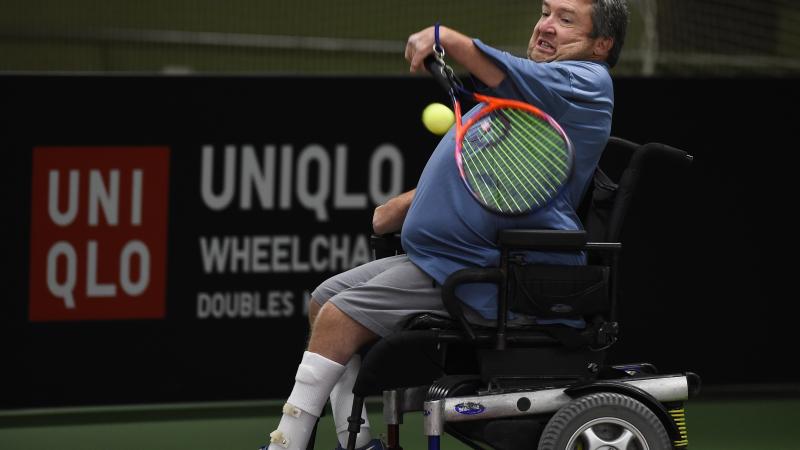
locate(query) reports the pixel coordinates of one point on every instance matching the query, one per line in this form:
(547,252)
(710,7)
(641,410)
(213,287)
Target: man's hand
(389,217)
(457,46)
(419,46)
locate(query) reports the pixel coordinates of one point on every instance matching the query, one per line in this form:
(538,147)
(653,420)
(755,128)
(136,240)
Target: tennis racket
(513,158)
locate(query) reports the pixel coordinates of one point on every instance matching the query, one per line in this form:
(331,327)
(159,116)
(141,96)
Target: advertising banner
(162,235)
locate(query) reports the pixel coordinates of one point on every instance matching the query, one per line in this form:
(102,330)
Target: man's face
(562,32)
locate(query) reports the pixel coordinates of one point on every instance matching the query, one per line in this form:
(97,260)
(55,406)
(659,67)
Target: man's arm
(458,47)
(389,217)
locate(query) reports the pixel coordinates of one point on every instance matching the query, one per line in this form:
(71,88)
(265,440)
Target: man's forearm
(389,217)
(458,47)
(462,49)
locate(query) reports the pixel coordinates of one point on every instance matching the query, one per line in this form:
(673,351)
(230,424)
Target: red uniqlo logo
(98,233)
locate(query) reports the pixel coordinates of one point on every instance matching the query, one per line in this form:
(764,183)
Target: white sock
(315,378)
(342,405)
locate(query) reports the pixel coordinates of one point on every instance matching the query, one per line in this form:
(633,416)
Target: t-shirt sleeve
(543,85)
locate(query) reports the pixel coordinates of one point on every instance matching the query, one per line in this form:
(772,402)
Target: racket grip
(437,71)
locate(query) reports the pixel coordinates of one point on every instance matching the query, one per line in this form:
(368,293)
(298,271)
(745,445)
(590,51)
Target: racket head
(513,158)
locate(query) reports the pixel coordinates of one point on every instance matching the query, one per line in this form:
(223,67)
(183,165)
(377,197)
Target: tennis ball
(437,118)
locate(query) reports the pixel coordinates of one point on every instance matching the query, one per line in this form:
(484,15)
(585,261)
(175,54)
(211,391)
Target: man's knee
(336,335)
(313,311)
(327,312)
(332,319)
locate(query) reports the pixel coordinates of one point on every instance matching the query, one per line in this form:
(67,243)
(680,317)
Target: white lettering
(260,254)
(62,290)
(222,200)
(286,303)
(93,288)
(386,153)
(314,200)
(318,262)
(102,198)
(65,218)
(282,253)
(214,254)
(105,197)
(136,198)
(234,305)
(361,252)
(339,252)
(313,177)
(287,153)
(341,199)
(139,286)
(260,177)
(240,255)
(297,263)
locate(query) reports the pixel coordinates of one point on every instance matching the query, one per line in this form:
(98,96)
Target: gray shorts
(382,293)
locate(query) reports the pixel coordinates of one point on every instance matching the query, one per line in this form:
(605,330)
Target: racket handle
(436,69)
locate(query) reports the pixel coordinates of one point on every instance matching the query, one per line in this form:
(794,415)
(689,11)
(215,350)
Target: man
(572,47)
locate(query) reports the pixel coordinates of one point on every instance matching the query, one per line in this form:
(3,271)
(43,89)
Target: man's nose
(547,25)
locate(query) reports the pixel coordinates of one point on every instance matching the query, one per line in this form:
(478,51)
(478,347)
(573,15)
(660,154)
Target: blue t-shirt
(447,230)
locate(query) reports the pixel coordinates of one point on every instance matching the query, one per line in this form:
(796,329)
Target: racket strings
(506,185)
(513,160)
(530,163)
(549,166)
(498,183)
(555,149)
(492,189)
(507,167)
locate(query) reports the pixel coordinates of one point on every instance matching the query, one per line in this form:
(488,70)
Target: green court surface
(766,424)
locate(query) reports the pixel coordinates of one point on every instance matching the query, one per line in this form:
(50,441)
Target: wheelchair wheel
(604,421)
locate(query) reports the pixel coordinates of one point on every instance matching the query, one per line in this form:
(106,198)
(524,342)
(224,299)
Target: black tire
(604,421)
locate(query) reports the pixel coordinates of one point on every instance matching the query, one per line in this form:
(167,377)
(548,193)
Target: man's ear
(602,46)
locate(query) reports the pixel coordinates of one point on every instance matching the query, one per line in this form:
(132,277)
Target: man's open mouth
(546,45)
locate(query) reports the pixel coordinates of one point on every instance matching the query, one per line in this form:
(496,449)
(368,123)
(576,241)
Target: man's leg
(342,394)
(342,405)
(313,311)
(334,340)
(368,293)
(336,336)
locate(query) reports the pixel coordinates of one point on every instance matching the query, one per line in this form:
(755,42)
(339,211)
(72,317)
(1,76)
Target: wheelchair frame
(653,391)
(638,386)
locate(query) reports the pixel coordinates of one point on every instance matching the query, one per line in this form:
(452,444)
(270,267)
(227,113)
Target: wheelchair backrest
(616,181)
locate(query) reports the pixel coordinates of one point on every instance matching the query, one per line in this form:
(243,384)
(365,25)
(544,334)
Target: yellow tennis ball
(438,118)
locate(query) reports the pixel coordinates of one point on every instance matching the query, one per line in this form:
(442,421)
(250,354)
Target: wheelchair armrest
(552,240)
(453,305)
(384,245)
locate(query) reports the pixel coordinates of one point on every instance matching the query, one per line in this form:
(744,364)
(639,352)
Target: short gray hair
(610,19)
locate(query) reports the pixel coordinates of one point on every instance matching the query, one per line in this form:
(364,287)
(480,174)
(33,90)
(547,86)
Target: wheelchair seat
(452,357)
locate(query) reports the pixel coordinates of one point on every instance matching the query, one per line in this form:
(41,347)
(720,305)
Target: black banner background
(706,282)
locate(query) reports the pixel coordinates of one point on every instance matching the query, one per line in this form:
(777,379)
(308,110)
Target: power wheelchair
(513,387)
